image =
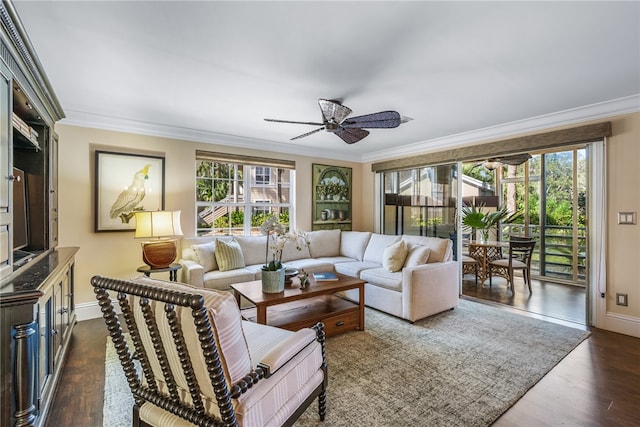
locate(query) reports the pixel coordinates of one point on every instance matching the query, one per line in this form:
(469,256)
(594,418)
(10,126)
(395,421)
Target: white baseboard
(620,323)
(89,310)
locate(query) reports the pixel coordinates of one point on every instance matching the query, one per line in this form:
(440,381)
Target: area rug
(463,367)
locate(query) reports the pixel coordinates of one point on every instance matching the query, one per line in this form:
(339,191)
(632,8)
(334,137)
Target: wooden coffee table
(297,308)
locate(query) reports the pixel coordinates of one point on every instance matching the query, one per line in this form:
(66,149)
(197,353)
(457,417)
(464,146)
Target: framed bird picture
(125,184)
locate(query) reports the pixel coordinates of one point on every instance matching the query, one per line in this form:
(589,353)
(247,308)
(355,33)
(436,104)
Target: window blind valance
(578,135)
(247,160)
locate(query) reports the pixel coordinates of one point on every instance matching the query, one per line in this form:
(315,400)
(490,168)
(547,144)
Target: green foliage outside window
(212,183)
(234,219)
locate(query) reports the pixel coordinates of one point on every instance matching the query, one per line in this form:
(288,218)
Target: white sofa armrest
(192,273)
(286,350)
(429,289)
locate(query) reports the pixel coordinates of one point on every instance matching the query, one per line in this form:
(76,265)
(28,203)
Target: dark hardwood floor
(598,384)
(563,302)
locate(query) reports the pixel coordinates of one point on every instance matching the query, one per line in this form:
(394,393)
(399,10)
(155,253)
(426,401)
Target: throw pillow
(394,256)
(205,255)
(418,255)
(229,255)
(324,243)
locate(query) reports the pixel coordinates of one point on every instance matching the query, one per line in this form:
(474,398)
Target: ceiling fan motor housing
(332,126)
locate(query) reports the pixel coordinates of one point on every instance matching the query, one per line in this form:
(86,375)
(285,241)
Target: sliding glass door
(420,201)
(550,189)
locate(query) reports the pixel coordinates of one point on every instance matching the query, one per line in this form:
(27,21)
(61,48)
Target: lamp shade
(158,253)
(158,224)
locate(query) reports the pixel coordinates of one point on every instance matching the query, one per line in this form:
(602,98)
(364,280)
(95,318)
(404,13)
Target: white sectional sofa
(411,277)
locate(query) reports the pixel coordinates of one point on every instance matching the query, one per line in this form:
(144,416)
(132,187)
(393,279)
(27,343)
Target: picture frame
(117,173)
(331,197)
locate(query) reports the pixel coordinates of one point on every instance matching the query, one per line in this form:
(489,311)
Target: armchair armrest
(286,350)
(192,273)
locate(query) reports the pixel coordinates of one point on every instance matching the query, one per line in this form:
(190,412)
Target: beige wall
(623,195)
(118,254)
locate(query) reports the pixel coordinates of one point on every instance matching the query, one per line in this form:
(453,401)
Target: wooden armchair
(196,362)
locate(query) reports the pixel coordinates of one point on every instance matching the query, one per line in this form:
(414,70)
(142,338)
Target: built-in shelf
(26,136)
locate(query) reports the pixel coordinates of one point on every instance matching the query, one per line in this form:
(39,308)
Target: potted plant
(277,237)
(475,218)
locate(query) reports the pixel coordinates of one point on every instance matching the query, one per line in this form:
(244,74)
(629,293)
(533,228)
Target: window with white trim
(235,197)
(262,175)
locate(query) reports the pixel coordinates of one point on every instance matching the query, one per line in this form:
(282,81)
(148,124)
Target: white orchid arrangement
(277,237)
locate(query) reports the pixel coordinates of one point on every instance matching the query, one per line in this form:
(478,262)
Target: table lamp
(162,225)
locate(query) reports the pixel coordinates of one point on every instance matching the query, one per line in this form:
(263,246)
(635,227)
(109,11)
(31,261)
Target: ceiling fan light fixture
(491,164)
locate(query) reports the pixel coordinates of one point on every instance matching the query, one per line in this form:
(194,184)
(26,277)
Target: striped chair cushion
(226,320)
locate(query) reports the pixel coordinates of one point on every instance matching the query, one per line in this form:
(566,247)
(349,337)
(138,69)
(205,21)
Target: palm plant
(474,218)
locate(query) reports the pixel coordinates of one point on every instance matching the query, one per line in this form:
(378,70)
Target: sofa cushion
(441,249)
(394,255)
(383,278)
(324,243)
(254,249)
(186,244)
(229,255)
(354,268)
(335,259)
(353,244)
(294,250)
(216,279)
(310,265)
(376,246)
(205,255)
(417,255)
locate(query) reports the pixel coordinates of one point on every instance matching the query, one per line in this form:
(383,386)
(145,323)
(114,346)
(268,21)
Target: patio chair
(470,265)
(196,362)
(520,252)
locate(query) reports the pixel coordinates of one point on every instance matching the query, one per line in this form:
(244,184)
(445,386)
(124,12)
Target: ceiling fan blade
(383,119)
(307,134)
(352,135)
(332,110)
(298,123)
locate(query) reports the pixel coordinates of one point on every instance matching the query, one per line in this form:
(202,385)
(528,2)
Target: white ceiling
(212,71)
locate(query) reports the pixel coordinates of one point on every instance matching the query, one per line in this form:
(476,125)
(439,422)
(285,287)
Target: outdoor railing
(555,256)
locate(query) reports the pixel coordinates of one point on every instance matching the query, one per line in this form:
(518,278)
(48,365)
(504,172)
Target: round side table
(172,269)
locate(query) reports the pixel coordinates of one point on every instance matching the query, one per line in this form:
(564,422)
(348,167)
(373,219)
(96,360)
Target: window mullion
(247,200)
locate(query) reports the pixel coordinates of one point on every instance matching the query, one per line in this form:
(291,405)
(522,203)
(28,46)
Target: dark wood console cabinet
(36,277)
(36,321)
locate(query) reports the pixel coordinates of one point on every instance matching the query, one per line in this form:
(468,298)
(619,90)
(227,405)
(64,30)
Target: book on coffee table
(325,276)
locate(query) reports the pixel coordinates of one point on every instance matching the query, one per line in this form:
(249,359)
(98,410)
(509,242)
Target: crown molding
(17,52)
(119,124)
(597,111)
(601,110)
